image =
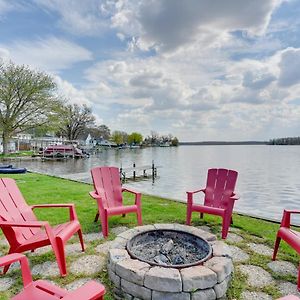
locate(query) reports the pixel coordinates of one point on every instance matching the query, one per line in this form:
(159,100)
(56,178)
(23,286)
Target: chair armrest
(14,257)
(94,195)
(190,196)
(52,205)
(71,206)
(32,224)
(235,196)
(130,191)
(194,192)
(97,197)
(11,258)
(292,211)
(90,291)
(138,195)
(24,224)
(286,217)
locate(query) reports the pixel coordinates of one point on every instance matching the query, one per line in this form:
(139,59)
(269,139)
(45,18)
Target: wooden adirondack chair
(24,232)
(42,290)
(108,194)
(289,235)
(219,197)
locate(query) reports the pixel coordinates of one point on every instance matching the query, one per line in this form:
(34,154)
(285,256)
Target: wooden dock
(135,172)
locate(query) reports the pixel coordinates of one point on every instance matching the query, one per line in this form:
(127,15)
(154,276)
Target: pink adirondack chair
(24,232)
(289,235)
(289,297)
(219,197)
(42,290)
(108,194)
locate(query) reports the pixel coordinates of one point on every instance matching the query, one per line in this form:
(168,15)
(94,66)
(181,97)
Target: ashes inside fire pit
(169,248)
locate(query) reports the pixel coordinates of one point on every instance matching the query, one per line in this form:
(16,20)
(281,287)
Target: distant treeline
(285,141)
(224,143)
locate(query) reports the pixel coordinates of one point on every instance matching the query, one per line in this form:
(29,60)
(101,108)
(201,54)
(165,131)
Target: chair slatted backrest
(14,208)
(219,187)
(108,186)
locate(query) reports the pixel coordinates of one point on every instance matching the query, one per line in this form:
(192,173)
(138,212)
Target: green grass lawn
(45,189)
(16,154)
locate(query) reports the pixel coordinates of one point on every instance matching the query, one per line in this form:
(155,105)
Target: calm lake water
(269,178)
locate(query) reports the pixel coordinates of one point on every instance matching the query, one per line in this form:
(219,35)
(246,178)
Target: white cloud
(167,25)
(67,91)
(212,97)
(289,67)
(78,17)
(50,54)
(5,6)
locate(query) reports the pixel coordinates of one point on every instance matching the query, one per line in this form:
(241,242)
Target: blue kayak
(12,170)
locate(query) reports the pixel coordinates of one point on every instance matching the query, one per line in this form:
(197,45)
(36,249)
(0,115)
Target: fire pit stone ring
(136,279)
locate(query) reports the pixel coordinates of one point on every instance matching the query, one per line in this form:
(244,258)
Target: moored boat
(12,170)
(62,151)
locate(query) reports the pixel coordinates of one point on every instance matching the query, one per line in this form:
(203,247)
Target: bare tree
(75,120)
(98,132)
(26,100)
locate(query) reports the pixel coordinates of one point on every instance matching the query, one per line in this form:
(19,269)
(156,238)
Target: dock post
(153,170)
(134,171)
(121,179)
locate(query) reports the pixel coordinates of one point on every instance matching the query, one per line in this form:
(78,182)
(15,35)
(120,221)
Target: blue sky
(198,69)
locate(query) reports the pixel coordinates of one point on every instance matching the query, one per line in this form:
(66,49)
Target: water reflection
(268,175)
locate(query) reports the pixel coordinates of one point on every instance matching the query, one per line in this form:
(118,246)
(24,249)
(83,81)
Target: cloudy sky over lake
(199,69)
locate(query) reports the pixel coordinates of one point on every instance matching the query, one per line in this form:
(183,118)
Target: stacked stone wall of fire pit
(134,279)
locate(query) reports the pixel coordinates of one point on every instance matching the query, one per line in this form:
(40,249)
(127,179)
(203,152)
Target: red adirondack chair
(24,232)
(219,197)
(42,290)
(108,193)
(289,235)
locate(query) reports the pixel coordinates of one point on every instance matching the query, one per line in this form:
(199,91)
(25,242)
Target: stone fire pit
(136,279)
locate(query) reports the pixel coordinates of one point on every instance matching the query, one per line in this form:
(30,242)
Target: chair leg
(59,252)
(231,221)
(139,216)
(201,215)
(81,239)
(188,215)
(5,268)
(96,217)
(276,246)
(123,215)
(104,223)
(225,226)
(298,283)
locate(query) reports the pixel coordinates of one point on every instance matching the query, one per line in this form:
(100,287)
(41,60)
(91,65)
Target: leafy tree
(74,120)
(174,141)
(135,138)
(26,100)
(119,137)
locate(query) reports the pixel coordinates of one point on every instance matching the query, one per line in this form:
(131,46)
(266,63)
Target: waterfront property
(249,240)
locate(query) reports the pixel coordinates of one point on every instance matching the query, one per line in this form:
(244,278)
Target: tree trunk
(5,140)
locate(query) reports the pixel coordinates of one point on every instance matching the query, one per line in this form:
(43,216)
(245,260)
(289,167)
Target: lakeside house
(98,142)
(21,141)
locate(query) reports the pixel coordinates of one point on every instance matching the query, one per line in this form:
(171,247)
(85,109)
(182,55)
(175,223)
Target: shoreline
(240,213)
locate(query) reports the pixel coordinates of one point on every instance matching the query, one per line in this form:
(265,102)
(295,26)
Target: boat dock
(135,172)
